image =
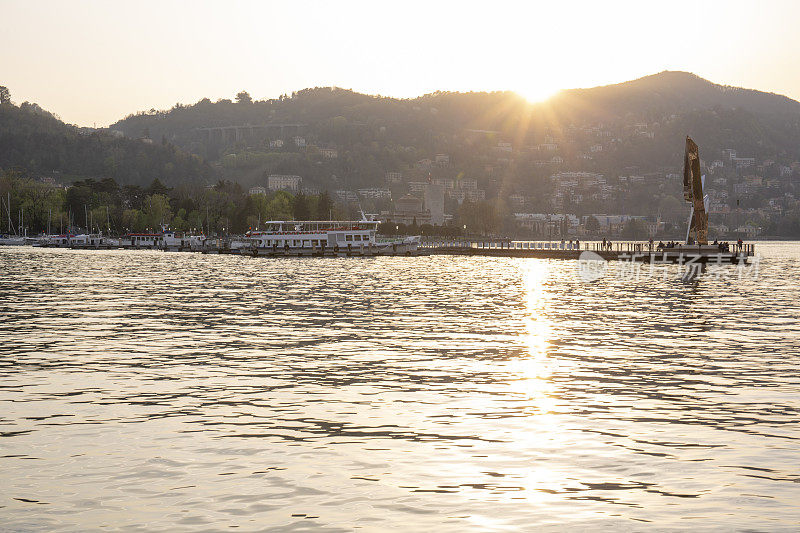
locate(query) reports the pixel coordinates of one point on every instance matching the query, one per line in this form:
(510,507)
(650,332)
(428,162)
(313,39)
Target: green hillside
(39,144)
(374,135)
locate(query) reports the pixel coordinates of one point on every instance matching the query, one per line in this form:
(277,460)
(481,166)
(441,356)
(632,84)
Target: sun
(538,93)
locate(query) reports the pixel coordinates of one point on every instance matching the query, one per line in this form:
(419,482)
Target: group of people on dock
(664,246)
(723,246)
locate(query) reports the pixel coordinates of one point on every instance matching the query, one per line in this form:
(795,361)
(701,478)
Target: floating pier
(619,251)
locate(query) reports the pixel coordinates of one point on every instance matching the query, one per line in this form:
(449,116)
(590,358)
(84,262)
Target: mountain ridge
(377,134)
(691,87)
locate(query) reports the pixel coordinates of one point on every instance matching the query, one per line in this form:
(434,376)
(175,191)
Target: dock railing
(628,247)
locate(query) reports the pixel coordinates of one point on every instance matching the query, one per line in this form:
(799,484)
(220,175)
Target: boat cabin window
(348,237)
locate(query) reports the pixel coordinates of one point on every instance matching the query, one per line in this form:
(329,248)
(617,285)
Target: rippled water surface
(158,391)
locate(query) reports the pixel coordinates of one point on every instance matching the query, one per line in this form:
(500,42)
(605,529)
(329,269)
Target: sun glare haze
(94,62)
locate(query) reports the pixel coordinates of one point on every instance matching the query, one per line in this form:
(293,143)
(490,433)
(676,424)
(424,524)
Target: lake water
(170,391)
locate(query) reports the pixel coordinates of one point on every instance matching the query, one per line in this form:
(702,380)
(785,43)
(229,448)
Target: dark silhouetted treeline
(105,206)
(33,140)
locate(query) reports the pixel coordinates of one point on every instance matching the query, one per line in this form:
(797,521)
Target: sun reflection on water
(542,429)
(535,370)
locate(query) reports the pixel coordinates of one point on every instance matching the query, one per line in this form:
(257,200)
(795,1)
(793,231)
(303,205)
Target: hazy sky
(96,61)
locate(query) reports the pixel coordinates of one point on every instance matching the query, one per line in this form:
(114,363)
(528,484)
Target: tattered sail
(693,192)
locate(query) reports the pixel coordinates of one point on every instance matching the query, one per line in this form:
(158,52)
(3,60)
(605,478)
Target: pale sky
(95,61)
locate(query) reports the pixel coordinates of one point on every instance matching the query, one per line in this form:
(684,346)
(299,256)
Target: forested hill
(649,98)
(37,143)
(638,124)
(666,93)
(646,120)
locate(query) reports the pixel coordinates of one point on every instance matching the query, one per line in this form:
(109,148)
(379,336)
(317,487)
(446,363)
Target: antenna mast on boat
(361,209)
(8,210)
(693,192)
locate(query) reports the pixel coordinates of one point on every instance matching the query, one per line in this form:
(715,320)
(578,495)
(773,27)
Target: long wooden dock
(589,250)
(618,251)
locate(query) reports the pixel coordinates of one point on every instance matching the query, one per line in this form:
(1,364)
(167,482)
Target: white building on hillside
(394,177)
(468,184)
(375,193)
(283,182)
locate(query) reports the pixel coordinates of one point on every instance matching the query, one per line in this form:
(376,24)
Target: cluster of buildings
(745,195)
(278,182)
(411,209)
(753,190)
(570,226)
(576,186)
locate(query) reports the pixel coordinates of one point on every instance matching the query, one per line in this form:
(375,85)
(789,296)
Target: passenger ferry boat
(70,240)
(177,241)
(142,240)
(54,241)
(325,237)
(166,239)
(90,240)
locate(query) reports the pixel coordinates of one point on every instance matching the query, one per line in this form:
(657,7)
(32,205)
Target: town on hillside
(746,197)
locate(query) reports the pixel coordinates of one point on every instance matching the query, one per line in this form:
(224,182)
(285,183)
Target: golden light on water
(535,370)
(543,428)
